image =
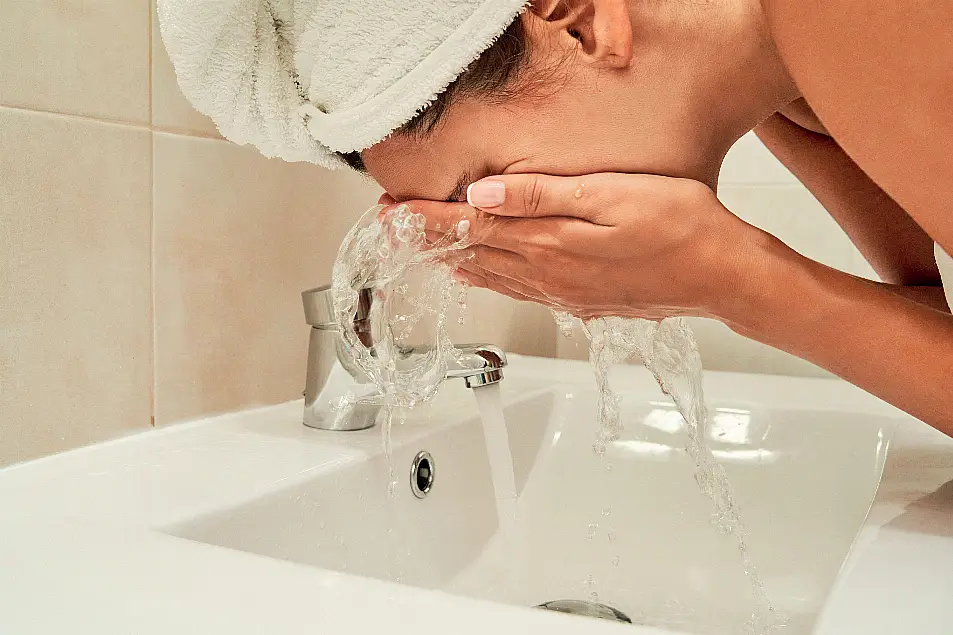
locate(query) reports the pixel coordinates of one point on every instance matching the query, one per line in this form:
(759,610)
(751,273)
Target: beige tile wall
(88,57)
(150,271)
(75,314)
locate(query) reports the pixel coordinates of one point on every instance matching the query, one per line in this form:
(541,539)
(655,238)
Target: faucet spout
(477,364)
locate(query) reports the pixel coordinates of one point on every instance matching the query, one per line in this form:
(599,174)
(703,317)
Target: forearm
(933,297)
(893,347)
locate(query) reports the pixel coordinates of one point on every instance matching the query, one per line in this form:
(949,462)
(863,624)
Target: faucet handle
(319,307)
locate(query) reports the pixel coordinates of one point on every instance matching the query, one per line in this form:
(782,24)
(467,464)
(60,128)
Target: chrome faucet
(477,364)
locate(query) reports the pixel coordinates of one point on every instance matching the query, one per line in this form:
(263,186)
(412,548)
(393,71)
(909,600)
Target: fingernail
(487,193)
(460,277)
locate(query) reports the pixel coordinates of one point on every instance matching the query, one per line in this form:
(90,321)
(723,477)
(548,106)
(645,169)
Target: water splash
(462,303)
(413,288)
(565,322)
(670,352)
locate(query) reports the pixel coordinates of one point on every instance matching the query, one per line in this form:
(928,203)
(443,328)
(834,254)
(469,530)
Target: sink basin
(628,529)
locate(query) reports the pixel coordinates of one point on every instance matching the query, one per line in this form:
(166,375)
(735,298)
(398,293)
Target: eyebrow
(459,189)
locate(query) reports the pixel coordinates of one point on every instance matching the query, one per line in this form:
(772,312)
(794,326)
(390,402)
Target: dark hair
(492,75)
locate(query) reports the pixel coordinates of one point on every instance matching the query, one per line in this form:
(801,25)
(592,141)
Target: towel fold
(304,79)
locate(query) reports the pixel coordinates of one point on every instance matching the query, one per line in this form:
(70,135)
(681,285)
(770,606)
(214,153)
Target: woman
(562,125)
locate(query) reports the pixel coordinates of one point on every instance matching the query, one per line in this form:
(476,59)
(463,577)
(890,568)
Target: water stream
(490,402)
(670,352)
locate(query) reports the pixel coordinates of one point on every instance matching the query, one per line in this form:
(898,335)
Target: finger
(503,262)
(457,221)
(498,286)
(441,239)
(440,215)
(524,288)
(541,195)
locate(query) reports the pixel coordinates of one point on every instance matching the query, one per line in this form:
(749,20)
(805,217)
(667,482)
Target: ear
(601,29)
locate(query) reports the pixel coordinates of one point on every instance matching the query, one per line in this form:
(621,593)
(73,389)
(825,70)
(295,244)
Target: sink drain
(422,474)
(586,609)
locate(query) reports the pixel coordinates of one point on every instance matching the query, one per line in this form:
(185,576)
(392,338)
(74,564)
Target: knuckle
(542,245)
(695,191)
(492,278)
(532,195)
(543,256)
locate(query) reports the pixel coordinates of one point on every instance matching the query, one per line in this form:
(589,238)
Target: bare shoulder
(879,76)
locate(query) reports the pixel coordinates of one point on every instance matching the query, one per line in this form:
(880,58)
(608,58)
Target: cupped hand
(629,245)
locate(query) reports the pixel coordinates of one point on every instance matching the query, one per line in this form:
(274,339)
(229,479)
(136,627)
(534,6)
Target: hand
(605,244)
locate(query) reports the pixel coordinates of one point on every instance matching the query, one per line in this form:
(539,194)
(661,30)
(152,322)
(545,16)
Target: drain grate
(422,474)
(586,609)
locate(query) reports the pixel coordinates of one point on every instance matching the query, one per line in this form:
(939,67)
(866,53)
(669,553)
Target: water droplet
(593,596)
(463,228)
(580,190)
(593,527)
(615,561)
(611,535)
(606,510)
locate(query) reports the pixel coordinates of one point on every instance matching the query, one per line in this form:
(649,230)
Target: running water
(413,284)
(669,351)
(490,402)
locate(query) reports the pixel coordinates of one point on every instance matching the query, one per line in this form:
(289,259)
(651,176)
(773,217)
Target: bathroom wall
(151,272)
(756,187)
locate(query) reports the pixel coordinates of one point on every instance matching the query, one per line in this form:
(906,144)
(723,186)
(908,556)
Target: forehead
(468,142)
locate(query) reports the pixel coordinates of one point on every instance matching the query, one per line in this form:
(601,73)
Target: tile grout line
(152,45)
(116,122)
(152,275)
(152,218)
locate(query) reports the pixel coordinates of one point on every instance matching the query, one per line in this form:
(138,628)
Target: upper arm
(878,74)
(892,242)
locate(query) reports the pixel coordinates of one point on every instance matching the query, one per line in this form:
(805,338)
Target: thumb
(534,196)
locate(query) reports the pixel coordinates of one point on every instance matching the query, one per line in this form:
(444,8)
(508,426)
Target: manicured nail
(487,193)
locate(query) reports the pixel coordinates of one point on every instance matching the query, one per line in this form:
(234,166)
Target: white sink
(251,523)
(628,529)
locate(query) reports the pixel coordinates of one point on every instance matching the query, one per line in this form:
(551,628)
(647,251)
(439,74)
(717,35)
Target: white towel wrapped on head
(303,79)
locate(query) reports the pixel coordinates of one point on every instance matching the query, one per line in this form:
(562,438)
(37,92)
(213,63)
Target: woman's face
(672,104)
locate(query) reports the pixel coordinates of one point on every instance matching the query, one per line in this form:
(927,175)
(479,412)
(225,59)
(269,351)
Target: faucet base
(361,417)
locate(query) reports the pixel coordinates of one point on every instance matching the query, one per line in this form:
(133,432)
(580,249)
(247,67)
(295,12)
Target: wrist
(771,281)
